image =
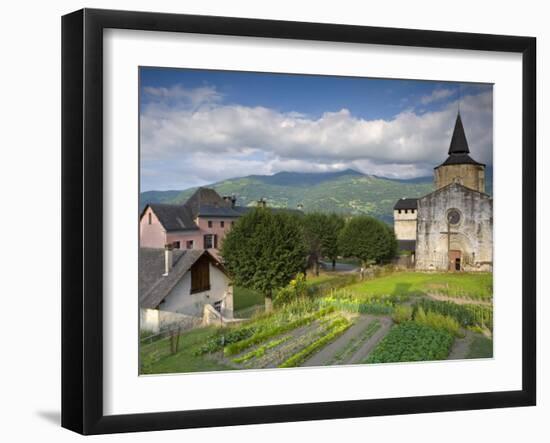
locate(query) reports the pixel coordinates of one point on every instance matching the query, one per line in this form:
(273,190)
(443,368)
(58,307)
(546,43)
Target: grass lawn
(245,298)
(470,285)
(481,347)
(156,357)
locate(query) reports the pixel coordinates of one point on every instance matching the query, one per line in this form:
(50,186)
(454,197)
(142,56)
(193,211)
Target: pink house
(200,223)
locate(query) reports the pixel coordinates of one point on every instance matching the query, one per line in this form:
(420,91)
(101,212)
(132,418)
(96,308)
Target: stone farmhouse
(176,285)
(452,227)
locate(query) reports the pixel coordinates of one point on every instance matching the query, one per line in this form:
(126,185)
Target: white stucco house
(176,284)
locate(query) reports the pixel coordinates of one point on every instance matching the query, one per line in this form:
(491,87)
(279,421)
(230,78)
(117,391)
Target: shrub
(437,321)
(296,289)
(402,313)
(466,315)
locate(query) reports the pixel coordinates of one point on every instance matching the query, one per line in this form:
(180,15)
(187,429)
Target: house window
(149,217)
(176,245)
(210,241)
(209,223)
(222,224)
(406,211)
(233,223)
(399,211)
(189,244)
(200,275)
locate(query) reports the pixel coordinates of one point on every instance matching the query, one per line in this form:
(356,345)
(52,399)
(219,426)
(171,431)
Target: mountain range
(346,192)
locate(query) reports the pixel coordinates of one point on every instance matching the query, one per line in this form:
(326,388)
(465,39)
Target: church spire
(459,144)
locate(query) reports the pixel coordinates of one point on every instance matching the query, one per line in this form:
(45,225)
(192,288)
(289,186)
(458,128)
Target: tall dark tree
(330,241)
(367,239)
(315,232)
(264,251)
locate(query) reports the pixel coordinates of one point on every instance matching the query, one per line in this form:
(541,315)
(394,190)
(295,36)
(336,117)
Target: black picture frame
(82,218)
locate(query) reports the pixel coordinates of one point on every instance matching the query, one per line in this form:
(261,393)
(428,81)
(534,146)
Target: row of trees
(266,249)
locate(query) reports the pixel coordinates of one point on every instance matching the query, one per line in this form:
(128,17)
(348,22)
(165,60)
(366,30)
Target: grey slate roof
(459,144)
(458,149)
(217,211)
(205,198)
(153,287)
(174,217)
(460,159)
(205,202)
(406,203)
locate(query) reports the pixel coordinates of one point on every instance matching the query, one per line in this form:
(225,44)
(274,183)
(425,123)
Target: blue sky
(202,126)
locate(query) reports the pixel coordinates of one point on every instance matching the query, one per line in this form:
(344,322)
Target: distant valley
(346,192)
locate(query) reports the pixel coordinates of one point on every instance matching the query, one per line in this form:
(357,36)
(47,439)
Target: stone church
(450,229)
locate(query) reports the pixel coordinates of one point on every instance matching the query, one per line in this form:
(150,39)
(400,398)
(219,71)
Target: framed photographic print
(269,221)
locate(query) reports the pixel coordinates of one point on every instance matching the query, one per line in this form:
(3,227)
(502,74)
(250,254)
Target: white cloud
(198,139)
(436,95)
(184,96)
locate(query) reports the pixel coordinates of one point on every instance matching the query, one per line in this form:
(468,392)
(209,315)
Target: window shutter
(200,275)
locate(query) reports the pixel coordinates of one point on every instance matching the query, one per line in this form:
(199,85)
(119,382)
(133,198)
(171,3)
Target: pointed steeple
(459,144)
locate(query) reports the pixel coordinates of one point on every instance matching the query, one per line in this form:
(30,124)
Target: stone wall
(473,234)
(404,224)
(469,175)
(182,301)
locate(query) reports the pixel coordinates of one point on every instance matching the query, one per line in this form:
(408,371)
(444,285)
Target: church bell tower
(459,166)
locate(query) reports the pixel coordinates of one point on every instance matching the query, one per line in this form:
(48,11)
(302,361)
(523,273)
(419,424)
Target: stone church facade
(452,227)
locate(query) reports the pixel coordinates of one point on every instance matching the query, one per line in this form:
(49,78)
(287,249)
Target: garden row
(286,337)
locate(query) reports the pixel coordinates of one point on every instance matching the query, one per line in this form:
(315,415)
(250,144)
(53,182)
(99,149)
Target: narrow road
(340,267)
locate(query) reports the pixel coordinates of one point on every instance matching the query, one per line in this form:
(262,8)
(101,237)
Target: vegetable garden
(335,326)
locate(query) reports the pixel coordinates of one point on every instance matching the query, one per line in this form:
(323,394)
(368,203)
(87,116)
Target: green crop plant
(411,341)
(402,313)
(338,327)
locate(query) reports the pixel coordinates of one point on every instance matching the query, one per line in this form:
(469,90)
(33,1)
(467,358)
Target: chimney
(262,203)
(230,199)
(168,258)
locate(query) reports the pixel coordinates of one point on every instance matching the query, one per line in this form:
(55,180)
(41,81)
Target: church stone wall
(404,224)
(471,176)
(473,234)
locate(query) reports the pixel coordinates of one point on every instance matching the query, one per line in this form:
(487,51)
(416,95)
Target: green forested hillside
(348,192)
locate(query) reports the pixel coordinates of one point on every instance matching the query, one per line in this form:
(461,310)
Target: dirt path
(368,346)
(325,355)
(322,357)
(461,346)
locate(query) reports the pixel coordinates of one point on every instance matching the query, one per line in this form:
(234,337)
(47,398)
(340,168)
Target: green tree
(264,251)
(315,231)
(321,234)
(367,239)
(331,249)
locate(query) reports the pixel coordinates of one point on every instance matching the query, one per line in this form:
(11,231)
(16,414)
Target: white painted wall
(181,300)
(31,138)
